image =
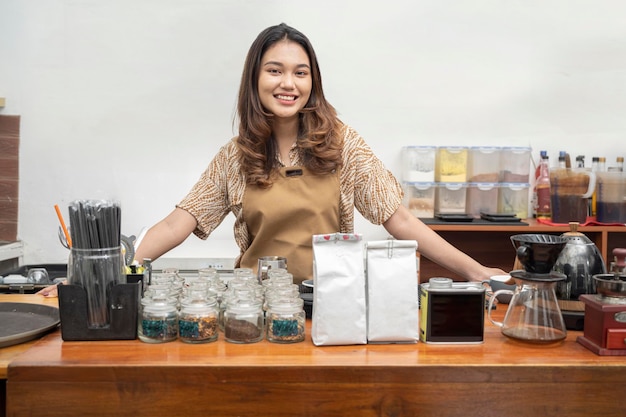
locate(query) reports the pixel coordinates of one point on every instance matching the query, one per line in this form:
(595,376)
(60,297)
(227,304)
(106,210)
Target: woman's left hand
(50,290)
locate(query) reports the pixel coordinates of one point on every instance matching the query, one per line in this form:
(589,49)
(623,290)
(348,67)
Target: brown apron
(282,219)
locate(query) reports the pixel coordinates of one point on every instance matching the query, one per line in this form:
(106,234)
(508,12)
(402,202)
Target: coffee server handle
(490,307)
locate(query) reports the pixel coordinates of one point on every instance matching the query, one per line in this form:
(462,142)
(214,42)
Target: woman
(293,171)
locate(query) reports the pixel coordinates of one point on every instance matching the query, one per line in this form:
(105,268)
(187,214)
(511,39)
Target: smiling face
(285,80)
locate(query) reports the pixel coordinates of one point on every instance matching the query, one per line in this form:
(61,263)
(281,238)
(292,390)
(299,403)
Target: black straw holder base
(123,312)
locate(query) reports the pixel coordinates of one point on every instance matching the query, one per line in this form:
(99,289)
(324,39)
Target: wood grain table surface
(500,377)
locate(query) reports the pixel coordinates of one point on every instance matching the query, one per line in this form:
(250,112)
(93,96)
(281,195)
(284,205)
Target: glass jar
(237,289)
(158,321)
(96,270)
(285,320)
(243,321)
(197,320)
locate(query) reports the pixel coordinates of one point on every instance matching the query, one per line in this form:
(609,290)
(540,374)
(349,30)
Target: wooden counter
(500,377)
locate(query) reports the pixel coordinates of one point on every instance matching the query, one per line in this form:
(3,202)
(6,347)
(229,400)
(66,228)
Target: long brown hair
(319,135)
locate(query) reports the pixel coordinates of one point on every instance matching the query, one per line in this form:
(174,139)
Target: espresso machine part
(605,316)
(533,314)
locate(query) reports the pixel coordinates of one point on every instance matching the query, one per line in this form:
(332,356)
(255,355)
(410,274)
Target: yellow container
(451,164)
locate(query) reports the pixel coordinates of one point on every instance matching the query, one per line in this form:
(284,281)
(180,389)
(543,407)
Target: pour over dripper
(538,252)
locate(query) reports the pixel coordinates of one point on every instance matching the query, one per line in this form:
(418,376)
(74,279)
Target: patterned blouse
(364,183)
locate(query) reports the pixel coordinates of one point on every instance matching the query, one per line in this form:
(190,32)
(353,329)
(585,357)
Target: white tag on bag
(392,292)
(339,313)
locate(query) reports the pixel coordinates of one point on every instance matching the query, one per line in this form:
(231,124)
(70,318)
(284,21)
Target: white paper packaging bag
(392,292)
(339,314)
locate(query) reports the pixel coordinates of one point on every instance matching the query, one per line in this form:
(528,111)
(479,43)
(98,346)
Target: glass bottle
(562,163)
(542,154)
(285,320)
(580,161)
(595,167)
(197,320)
(543,208)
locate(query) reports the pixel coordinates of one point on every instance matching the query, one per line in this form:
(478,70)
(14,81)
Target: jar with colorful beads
(285,320)
(158,321)
(197,320)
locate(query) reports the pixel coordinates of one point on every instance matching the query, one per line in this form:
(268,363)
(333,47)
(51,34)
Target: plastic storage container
(451,164)
(513,198)
(451,198)
(483,164)
(419,198)
(515,164)
(418,163)
(482,197)
(611,197)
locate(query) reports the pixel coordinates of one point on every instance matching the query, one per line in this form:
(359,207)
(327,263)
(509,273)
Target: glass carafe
(533,314)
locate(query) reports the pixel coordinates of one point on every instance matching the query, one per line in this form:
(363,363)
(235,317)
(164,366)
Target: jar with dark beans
(243,321)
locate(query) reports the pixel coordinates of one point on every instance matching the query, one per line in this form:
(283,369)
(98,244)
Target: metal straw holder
(123,307)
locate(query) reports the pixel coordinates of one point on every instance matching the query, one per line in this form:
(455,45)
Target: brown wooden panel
(8,209)
(8,189)
(8,231)
(9,126)
(9,168)
(9,147)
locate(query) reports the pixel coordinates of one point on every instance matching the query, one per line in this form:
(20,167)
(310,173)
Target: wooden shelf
(491,244)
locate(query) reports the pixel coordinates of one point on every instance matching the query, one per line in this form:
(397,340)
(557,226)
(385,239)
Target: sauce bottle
(543,207)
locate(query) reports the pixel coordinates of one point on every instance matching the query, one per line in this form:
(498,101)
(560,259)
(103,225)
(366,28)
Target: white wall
(129,100)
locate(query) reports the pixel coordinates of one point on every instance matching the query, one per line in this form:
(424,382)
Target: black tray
(21,322)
